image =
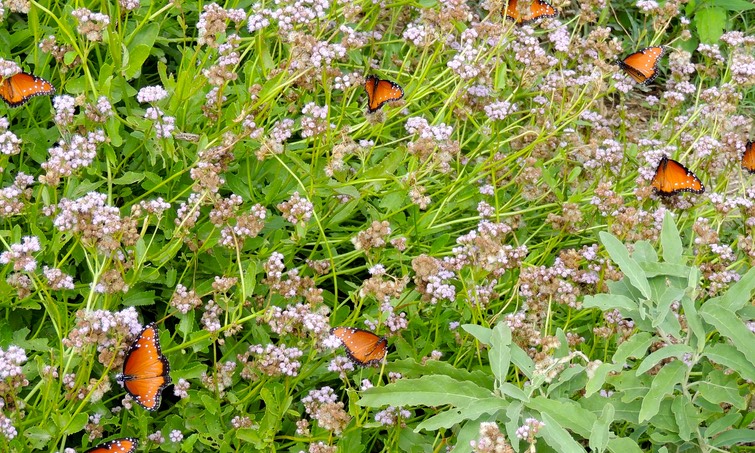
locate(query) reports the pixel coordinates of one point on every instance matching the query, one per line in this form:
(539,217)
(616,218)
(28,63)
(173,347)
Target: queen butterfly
(642,66)
(381,91)
(124,445)
(362,346)
(145,370)
(17,89)
(539,9)
(671,177)
(748,158)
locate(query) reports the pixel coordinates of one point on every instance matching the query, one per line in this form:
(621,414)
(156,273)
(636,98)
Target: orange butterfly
(17,89)
(145,370)
(381,91)
(748,158)
(671,177)
(642,66)
(124,445)
(539,9)
(362,346)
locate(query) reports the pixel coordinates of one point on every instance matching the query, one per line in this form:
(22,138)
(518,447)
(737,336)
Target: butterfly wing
(748,158)
(381,91)
(124,445)
(146,370)
(671,177)
(362,346)
(539,9)
(17,89)
(642,66)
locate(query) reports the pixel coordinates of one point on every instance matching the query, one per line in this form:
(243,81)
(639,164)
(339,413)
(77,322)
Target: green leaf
(719,388)
(599,375)
(731,326)
(628,266)
(694,322)
(557,437)
(76,424)
(670,241)
(636,347)
(427,391)
(734,437)
(566,413)
(130,177)
(623,445)
(710,24)
(483,334)
(599,433)
(608,302)
(663,384)
(139,48)
(450,417)
(733,5)
(685,415)
(727,355)
(738,294)
(723,423)
(500,351)
(674,350)
(139,298)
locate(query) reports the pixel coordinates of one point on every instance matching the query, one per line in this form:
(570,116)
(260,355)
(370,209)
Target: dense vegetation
(213,169)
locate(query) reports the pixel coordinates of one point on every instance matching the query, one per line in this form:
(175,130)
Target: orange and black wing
(145,369)
(363,347)
(539,9)
(748,158)
(642,66)
(671,177)
(381,91)
(124,445)
(17,89)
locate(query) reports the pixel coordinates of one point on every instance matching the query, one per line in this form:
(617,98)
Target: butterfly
(671,177)
(748,158)
(642,66)
(362,346)
(381,91)
(124,445)
(17,89)
(145,370)
(539,9)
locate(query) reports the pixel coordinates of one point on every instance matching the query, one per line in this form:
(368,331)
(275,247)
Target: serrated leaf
(620,255)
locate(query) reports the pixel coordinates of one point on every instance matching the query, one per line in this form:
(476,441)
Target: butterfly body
(671,178)
(17,89)
(123,445)
(539,9)
(381,91)
(642,65)
(362,346)
(145,369)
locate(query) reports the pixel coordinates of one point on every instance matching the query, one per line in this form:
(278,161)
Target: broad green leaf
(130,177)
(663,384)
(694,322)
(557,437)
(139,298)
(411,368)
(600,429)
(685,415)
(483,334)
(567,413)
(623,445)
(734,437)
(740,293)
(636,347)
(722,424)
(452,416)
(598,377)
(500,351)
(522,361)
(670,240)
(76,424)
(731,326)
(607,302)
(733,5)
(710,24)
(427,391)
(674,350)
(729,356)
(620,255)
(720,388)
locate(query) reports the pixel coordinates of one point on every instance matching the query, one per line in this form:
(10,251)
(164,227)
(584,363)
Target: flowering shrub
(212,168)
